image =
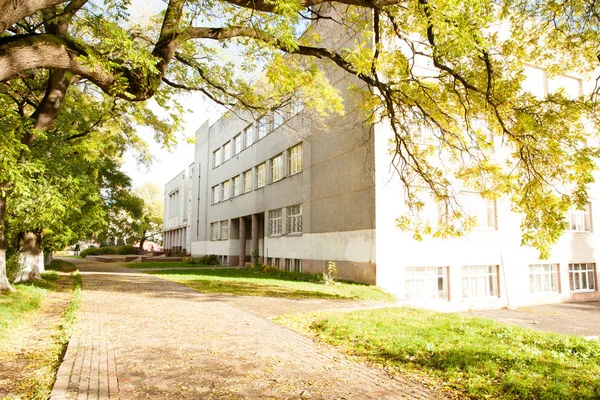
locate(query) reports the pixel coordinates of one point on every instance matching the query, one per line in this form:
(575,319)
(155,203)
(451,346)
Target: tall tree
(474,52)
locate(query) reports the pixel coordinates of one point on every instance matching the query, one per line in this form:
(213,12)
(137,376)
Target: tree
(475,70)
(57,178)
(150,224)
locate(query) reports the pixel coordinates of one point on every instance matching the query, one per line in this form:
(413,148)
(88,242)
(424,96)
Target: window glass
(426,283)
(295,159)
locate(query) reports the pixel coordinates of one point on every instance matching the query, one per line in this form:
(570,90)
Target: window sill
(579,232)
(555,293)
(583,291)
(276,236)
(296,173)
(294,234)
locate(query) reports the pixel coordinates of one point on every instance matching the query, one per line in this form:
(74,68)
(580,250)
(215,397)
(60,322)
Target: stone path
(142,337)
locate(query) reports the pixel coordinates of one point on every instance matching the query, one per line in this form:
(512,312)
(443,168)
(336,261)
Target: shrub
(211,259)
(127,250)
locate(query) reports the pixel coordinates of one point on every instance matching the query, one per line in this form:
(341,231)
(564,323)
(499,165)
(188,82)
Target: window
(214,231)
(236,186)
(226,191)
(276,262)
(295,157)
(247,181)
(269,261)
(582,277)
(535,81)
(571,87)
(249,135)
(294,219)
(480,281)
(482,209)
(298,265)
(277,168)
(173,204)
(215,194)
(275,222)
(263,127)
(227,151)
(579,220)
(289,264)
(278,119)
(261,171)
(224,230)
(543,278)
(216,158)
(297,106)
(426,283)
(237,144)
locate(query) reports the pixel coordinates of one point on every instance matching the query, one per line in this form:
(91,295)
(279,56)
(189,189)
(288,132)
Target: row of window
(254,132)
(291,265)
(173,204)
(243,183)
(480,281)
(286,220)
(485,213)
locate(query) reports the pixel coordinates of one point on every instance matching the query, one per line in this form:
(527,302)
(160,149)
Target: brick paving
(142,337)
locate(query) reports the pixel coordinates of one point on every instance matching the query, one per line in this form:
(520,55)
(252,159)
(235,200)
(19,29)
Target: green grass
(21,319)
(245,282)
(14,305)
(479,358)
(62,266)
(167,265)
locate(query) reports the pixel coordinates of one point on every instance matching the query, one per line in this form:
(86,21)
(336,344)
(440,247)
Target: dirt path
(142,337)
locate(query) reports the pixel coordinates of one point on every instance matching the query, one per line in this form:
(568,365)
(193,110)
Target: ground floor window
(214,231)
(480,281)
(426,283)
(582,277)
(543,278)
(224,230)
(298,265)
(289,264)
(269,261)
(275,222)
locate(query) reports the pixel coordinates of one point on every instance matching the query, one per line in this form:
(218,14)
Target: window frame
(215,231)
(296,159)
(216,194)
(293,220)
(217,158)
(263,127)
(491,281)
(586,218)
(247,177)
(237,144)
(224,230)
(419,293)
(547,278)
(580,272)
(261,172)
(277,167)
(275,221)
(249,133)
(226,190)
(236,185)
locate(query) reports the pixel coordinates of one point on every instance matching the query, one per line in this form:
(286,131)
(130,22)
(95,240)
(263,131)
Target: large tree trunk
(142,241)
(31,257)
(4,284)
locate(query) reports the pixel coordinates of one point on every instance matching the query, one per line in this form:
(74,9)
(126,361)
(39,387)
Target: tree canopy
(468,96)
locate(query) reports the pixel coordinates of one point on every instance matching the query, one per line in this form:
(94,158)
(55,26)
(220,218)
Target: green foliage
(109,250)
(12,265)
(211,259)
(255,258)
(272,283)
(480,358)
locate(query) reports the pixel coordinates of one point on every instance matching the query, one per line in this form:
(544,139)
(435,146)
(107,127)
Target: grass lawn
(35,326)
(245,282)
(475,357)
(167,265)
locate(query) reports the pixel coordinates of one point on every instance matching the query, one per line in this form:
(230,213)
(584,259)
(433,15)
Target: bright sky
(169,163)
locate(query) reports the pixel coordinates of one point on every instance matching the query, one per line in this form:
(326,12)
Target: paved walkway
(580,319)
(142,337)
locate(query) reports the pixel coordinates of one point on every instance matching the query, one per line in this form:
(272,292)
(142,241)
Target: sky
(169,163)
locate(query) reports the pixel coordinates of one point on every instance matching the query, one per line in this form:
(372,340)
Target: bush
(211,259)
(100,251)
